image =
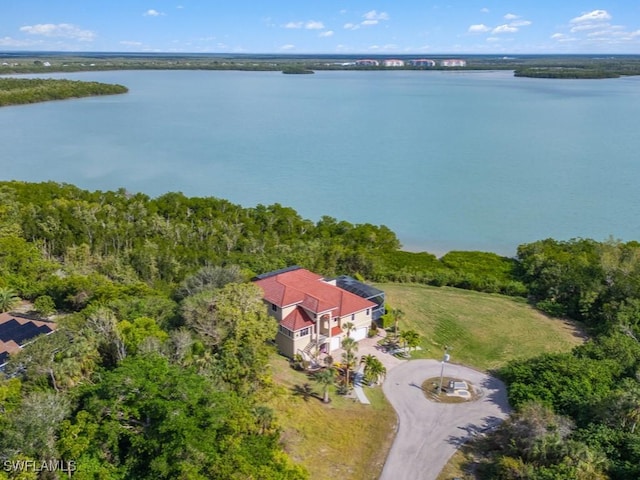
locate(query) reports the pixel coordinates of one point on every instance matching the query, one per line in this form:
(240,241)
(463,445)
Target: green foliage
(567,383)
(44,305)
(135,332)
(149,419)
(8,299)
(16,91)
(480,271)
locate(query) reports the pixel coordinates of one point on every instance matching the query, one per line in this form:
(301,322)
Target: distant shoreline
(531,66)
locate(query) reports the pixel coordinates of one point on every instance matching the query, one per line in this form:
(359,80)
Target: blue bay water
(448,160)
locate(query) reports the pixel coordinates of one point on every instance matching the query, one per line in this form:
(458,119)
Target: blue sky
(322,26)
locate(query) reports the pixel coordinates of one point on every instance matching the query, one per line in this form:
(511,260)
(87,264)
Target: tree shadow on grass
(305,391)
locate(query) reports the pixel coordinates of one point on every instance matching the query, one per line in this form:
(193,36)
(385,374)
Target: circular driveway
(429,432)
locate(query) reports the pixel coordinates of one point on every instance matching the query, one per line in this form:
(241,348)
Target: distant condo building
(422,62)
(366,62)
(393,62)
(453,63)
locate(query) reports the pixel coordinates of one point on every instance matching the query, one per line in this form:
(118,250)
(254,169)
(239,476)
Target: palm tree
(326,378)
(411,338)
(8,300)
(349,345)
(397,316)
(264,418)
(374,370)
(348,327)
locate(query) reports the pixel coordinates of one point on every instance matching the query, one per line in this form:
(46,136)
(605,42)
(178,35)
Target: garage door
(359,334)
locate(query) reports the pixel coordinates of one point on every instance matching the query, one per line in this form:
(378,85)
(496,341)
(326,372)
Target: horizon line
(292,54)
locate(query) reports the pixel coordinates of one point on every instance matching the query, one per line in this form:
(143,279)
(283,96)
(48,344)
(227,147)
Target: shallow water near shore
(447,160)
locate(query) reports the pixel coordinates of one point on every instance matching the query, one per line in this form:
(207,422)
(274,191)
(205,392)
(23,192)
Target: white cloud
(310,25)
(479,28)
(485,10)
(504,29)
(520,23)
(594,16)
(287,47)
(328,33)
(586,26)
(493,39)
(511,16)
(61,30)
(374,15)
(130,43)
(313,25)
(152,13)
(13,42)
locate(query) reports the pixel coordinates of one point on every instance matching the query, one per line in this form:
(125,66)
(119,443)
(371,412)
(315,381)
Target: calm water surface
(473,161)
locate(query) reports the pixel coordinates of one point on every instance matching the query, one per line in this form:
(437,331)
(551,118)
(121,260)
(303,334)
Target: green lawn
(343,439)
(485,331)
(347,440)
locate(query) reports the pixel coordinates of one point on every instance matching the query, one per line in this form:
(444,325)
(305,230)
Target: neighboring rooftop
(16,331)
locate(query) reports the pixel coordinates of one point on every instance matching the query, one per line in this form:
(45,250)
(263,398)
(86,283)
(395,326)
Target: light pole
(445,359)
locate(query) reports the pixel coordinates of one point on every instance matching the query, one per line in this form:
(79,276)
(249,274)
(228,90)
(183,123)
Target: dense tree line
(18,91)
(163,337)
(577,414)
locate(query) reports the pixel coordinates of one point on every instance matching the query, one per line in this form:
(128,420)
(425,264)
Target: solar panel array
(352,285)
(21,333)
(363,290)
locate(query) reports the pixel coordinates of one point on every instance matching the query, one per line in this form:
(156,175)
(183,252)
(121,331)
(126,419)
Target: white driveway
(429,433)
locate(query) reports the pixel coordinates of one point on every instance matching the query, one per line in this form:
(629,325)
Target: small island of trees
(20,91)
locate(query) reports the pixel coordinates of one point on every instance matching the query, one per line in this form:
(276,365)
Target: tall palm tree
(326,378)
(397,316)
(8,299)
(350,346)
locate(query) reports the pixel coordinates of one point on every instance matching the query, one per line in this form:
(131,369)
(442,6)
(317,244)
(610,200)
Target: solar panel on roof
(7,329)
(44,329)
(27,332)
(352,285)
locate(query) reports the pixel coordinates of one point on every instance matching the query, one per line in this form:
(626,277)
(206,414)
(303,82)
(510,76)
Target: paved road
(429,433)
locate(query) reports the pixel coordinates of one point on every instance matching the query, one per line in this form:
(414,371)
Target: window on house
(353,316)
(274,307)
(285,331)
(305,331)
(367,312)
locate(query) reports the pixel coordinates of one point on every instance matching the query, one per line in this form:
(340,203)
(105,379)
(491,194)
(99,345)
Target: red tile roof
(308,289)
(297,320)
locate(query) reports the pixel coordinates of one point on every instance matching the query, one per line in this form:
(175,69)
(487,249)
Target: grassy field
(350,441)
(485,331)
(343,439)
